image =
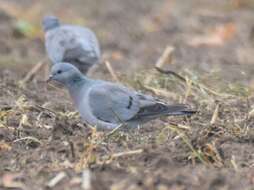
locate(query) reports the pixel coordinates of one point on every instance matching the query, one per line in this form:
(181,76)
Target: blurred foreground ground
(42,139)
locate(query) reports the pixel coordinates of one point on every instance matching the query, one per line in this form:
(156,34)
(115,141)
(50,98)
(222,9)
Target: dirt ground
(44,145)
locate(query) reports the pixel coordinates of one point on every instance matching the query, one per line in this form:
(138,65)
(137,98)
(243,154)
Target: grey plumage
(70,43)
(106,105)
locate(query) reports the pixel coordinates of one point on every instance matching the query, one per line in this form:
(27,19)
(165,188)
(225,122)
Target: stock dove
(107,105)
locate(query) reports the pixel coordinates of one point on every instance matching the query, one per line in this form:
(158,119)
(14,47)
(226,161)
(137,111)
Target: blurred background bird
(70,43)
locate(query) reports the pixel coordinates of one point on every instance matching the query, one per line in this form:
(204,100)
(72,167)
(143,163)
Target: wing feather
(116,104)
(113,103)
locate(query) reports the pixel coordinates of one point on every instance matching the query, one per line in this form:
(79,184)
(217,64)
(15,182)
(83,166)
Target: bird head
(50,22)
(65,74)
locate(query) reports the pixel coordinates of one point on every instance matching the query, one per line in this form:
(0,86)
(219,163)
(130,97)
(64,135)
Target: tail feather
(161,109)
(178,109)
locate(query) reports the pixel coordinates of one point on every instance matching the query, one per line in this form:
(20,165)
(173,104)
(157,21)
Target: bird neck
(75,87)
(76,81)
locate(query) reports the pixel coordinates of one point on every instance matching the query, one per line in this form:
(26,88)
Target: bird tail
(178,109)
(160,109)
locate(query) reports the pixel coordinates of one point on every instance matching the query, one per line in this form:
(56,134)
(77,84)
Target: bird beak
(49,79)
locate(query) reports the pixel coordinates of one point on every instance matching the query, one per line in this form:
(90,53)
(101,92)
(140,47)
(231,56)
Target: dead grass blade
(251,113)
(88,157)
(169,72)
(127,153)
(114,130)
(188,90)
(30,138)
(233,162)
(123,154)
(111,71)
(186,141)
(54,181)
(215,115)
(158,91)
(195,84)
(166,57)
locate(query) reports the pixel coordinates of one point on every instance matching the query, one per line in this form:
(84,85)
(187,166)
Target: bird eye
(59,71)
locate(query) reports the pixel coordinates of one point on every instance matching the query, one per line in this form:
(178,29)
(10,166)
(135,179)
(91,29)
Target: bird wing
(112,103)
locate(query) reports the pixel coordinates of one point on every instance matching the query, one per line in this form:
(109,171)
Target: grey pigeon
(69,43)
(106,105)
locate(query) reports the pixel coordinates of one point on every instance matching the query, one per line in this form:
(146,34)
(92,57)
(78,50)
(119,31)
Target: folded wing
(116,104)
(113,103)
